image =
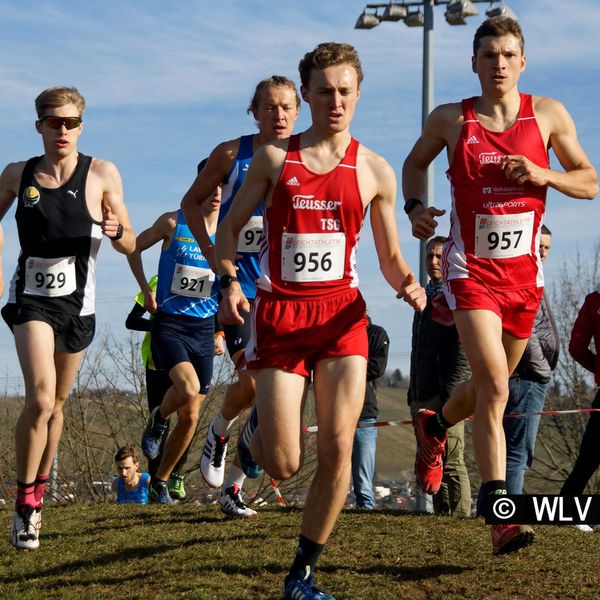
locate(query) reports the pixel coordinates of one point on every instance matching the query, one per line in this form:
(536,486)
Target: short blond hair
(329,54)
(59,96)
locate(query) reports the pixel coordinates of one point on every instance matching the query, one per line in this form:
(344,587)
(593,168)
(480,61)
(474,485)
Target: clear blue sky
(166,81)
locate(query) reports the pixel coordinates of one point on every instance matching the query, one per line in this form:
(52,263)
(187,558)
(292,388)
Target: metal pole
(427,107)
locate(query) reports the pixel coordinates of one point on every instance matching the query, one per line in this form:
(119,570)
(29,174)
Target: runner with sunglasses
(66,202)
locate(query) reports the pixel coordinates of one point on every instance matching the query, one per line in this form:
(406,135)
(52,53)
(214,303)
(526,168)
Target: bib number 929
(50,277)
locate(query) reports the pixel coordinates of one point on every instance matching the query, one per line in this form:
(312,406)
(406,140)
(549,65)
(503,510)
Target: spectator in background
(131,486)
(437,364)
(528,385)
(365,440)
(586,328)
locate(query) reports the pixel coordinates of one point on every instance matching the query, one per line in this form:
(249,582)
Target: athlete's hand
(110,221)
(423,221)
(522,170)
(412,293)
(232,301)
(150,302)
(219,346)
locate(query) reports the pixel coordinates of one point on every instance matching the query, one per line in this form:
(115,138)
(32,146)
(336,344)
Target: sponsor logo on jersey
(292,181)
(490,158)
(508,204)
(309,203)
(180,238)
(503,190)
(31,196)
(472,140)
(73,192)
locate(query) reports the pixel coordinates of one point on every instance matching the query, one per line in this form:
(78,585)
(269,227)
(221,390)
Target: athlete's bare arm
(105,177)
(441,130)
(212,175)
(579,179)
(9,185)
(260,178)
(162,230)
(376,175)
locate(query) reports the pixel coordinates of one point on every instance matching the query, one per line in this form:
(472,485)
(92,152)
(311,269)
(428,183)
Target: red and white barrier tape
(280,498)
(315,428)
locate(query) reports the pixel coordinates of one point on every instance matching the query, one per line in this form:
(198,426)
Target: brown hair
(126,452)
(497,27)
(275,81)
(329,54)
(438,239)
(59,96)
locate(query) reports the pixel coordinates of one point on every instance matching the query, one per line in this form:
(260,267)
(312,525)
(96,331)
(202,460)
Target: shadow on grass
(127,554)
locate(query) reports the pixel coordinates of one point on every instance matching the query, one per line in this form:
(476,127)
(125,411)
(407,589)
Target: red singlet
(495,223)
(312,228)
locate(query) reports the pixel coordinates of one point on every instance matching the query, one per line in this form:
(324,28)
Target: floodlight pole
(427,107)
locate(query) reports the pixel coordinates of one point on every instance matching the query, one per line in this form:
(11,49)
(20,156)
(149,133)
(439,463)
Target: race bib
(50,277)
(192,282)
(307,257)
(251,235)
(503,236)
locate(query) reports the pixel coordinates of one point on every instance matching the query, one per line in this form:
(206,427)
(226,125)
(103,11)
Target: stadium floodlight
(501,11)
(394,12)
(367,20)
(458,11)
(414,19)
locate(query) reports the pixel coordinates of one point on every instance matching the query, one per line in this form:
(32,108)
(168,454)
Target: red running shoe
(429,466)
(510,538)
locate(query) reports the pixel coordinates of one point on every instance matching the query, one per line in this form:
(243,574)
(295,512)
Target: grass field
(190,551)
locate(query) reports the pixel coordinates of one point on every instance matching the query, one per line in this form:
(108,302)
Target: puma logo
(73,192)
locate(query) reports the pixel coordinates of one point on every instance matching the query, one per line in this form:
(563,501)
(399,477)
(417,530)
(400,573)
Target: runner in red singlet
(499,173)
(309,317)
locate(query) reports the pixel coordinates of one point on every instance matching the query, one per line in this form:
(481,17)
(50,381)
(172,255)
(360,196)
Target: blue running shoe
(303,589)
(159,493)
(153,435)
(249,466)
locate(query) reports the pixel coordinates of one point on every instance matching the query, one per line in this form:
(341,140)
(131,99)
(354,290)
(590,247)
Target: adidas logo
(472,140)
(292,181)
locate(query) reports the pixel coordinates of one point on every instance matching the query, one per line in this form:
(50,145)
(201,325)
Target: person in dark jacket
(586,329)
(437,364)
(365,438)
(528,386)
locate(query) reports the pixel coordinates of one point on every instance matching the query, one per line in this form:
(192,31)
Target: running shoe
(429,464)
(212,461)
(37,517)
(153,435)
(24,534)
(176,486)
(232,504)
(303,589)
(159,493)
(250,467)
(510,538)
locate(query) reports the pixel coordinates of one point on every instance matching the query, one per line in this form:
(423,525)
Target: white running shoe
(584,528)
(24,532)
(214,454)
(232,504)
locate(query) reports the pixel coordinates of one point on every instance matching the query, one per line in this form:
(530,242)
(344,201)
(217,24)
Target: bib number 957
(503,236)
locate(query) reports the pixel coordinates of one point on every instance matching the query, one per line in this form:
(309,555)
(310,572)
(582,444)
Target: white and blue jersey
(185,279)
(250,236)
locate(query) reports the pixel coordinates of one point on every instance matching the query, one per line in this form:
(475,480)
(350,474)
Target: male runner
(182,339)
(499,172)
(309,317)
(275,107)
(66,202)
